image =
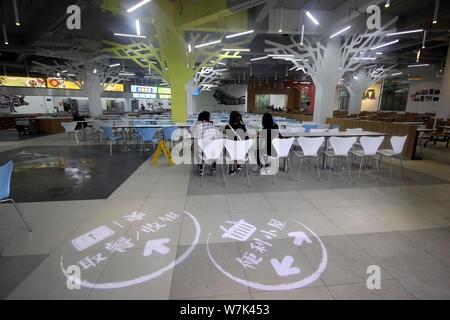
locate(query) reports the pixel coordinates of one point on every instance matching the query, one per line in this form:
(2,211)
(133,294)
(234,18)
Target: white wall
(206,102)
(369,104)
(425,106)
(278,101)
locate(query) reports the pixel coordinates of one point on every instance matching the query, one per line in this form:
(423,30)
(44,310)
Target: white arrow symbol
(284,268)
(156,245)
(299,238)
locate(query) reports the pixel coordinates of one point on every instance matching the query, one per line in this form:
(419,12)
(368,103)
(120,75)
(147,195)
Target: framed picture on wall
(424,91)
(416,99)
(422,98)
(428,98)
(435,99)
(437,91)
(431,91)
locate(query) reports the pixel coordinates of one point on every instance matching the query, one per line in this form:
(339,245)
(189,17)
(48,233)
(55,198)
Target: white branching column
(327,60)
(358,83)
(94,89)
(443,109)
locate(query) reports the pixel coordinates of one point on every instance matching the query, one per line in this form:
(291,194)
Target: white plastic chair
(397,143)
(69,128)
(355,131)
(370,146)
(282,148)
(211,151)
(341,147)
(310,149)
(238,151)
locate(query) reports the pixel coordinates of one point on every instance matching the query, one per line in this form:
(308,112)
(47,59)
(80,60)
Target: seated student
(266,135)
(205,130)
(236,130)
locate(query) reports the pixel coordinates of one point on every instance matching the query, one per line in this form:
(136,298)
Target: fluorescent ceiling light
(239,34)
(355,77)
(127,74)
(418,65)
(208,44)
(312,18)
(95,71)
(436,11)
(138,27)
(368,58)
(189,47)
(387,4)
(294,67)
(65,71)
(396,74)
(305,82)
(138,5)
(129,35)
(378,53)
(404,32)
(282,55)
(384,45)
(340,31)
(259,58)
(113,65)
(236,50)
(16,13)
(220,70)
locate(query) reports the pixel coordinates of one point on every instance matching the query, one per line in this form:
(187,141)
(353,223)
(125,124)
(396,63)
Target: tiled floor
(294,240)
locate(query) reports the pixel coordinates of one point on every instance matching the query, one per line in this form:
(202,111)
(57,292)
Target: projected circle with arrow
(130,250)
(273,255)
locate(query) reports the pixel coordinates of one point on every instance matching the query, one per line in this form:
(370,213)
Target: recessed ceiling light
(138,5)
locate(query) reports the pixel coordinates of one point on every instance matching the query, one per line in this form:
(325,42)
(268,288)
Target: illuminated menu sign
(56,83)
(114,87)
(26,82)
(144,96)
(165,96)
(162,90)
(143,89)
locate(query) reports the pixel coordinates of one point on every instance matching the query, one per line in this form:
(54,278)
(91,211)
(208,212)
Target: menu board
(143,89)
(114,87)
(162,90)
(26,82)
(165,96)
(56,83)
(144,95)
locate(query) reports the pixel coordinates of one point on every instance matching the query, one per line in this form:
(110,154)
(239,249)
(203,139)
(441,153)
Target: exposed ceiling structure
(42,35)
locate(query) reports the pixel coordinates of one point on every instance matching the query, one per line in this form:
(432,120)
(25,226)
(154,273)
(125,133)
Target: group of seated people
(234,130)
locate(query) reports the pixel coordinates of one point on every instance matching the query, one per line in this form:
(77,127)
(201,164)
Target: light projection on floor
(275,255)
(139,243)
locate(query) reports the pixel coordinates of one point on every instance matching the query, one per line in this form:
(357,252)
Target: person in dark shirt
(270,131)
(236,130)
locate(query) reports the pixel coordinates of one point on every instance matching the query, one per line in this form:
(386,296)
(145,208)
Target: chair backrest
(238,150)
(69,126)
(211,149)
(342,145)
(398,143)
(354,130)
(147,134)
(282,146)
(318,130)
(371,144)
(5,180)
(168,133)
(108,132)
(310,146)
(308,127)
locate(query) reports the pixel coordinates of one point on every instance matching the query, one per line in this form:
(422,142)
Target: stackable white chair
(397,143)
(341,147)
(238,151)
(282,148)
(310,149)
(211,151)
(69,128)
(370,146)
(356,130)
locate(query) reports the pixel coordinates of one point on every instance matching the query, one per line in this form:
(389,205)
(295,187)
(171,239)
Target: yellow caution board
(162,147)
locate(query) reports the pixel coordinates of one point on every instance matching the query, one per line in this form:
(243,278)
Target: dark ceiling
(42,35)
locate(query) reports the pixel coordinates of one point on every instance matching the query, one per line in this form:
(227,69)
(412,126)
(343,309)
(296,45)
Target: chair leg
(246,173)
(390,170)
(378,167)
(349,168)
(401,165)
(110,148)
(203,173)
(318,167)
(76,137)
(360,168)
(223,176)
(331,167)
(299,169)
(290,169)
(25,222)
